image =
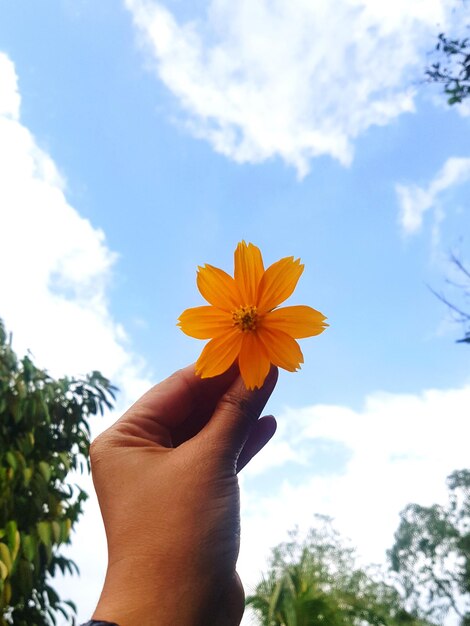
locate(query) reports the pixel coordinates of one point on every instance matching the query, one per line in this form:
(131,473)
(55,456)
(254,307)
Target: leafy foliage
(454,71)
(316,582)
(44,434)
(431,555)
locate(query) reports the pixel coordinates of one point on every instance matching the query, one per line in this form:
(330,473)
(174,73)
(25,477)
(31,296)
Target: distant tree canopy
(431,555)
(316,582)
(44,434)
(452,70)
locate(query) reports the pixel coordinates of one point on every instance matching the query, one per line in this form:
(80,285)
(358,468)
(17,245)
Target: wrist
(135,594)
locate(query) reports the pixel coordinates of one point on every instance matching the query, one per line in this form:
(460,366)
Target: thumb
(236,414)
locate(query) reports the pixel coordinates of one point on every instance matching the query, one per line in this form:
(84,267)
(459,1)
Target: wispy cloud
(415,201)
(290,79)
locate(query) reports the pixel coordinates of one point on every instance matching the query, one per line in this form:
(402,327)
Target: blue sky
(152,137)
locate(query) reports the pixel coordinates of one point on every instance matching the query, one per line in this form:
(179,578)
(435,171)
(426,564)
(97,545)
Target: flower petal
(297,321)
(218,288)
(281,348)
(205,322)
(219,354)
(249,270)
(278,283)
(253,361)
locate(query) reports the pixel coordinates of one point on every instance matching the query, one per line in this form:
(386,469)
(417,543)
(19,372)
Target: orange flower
(243,319)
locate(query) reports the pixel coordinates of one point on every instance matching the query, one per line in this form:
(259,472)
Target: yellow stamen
(246,318)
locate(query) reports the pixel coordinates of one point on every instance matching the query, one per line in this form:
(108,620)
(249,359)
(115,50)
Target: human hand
(166,479)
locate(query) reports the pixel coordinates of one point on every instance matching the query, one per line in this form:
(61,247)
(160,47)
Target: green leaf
(15,409)
(28,544)
(21,389)
(7,592)
(65,526)
(10,529)
(16,545)
(44,532)
(3,570)
(27,475)
(56,531)
(5,556)
(13,538)
(21,462)
(52,596)
(11,460)
(45,470)
(64,457)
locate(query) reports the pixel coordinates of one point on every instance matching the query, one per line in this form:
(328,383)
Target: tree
(316,582)
(44,435)
(454,70)
(431,554)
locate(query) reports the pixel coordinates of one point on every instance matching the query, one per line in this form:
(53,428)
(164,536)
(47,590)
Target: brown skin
(166,479)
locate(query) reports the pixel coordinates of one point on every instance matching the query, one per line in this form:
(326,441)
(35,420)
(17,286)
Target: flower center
(245,318)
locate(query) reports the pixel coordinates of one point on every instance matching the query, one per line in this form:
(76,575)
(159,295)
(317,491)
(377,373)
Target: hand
(166,479)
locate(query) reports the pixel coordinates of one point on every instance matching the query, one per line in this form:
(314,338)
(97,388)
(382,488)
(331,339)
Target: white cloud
(9,94)
(402,448)
(55,273)
(463,108)
(56,267)
(415,201)
(293,79)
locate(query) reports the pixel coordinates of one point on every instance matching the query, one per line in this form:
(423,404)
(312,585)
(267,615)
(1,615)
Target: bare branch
(458,263)
(464,316)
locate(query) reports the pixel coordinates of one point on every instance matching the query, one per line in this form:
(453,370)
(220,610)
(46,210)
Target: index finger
(181,404)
